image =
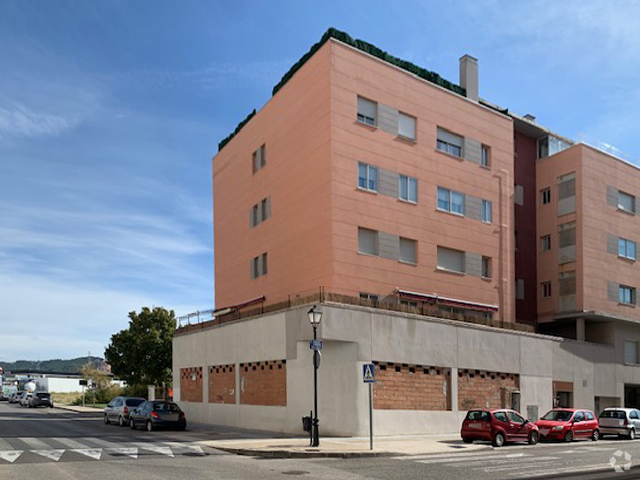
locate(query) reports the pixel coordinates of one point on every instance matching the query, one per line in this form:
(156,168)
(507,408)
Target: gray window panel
(612,196)
(473,207)
(567,303)
(519,289)
(388,245)
(252,217)
(450,259)
(566,189)
(263,264)
(367,111)
(613,291)
(388,183)
(566,254)
(472,150)
(388,119)
(612,243)
(626,202)
(518,195)
(408,250)
(267,207)
(567,283)
(630,352)
(473,264)
(567,234)
(407,126)
(567,205)
(367,241)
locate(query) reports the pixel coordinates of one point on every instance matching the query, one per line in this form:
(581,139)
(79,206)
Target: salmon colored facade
(314,143)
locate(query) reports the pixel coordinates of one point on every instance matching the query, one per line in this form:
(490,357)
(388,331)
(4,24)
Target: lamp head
(315,316)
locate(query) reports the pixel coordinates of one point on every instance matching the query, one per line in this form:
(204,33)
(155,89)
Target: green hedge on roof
(365,47)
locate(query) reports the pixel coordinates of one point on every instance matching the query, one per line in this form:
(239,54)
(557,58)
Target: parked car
(620,421)
(498,427)
(158,414)
(24,398)
(15,397)
(118,409)
(41,399)
(568,424)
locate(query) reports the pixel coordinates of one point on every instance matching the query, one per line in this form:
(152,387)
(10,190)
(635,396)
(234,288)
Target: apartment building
(476,258)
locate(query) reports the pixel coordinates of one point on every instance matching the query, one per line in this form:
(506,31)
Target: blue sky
(110,112)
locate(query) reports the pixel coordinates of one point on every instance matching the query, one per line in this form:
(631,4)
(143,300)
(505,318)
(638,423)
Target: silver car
(119,408)
(25,399)
(620,421)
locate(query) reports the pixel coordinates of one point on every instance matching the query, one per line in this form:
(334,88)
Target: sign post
(368,376)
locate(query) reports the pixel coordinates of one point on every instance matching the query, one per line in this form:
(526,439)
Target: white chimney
(469,76)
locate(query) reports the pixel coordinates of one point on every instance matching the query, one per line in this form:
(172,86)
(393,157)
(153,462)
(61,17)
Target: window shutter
(451,259)
(407,126)
(408,250)
(449,137)
(367,107)
(367,241)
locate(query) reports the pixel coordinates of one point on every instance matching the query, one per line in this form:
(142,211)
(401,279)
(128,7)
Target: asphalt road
(53,444)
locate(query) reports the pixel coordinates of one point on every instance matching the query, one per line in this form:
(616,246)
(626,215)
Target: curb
(69,408)
(311,454)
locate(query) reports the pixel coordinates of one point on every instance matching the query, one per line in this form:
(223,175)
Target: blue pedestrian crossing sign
(368,375)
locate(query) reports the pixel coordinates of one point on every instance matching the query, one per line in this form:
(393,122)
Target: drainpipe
(501,240)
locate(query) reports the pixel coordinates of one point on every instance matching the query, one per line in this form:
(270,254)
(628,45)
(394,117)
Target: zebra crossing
(55,449)
(503,464)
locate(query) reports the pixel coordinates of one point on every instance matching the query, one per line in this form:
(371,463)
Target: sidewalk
(346,447)
(79,408)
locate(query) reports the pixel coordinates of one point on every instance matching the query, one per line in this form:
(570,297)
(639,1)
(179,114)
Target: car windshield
(558,416)
(478,415)
(43,395)
(613,414)
(166,407)
(134,402)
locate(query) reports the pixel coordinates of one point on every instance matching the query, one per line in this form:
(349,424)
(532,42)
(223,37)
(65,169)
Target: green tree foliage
(142,354)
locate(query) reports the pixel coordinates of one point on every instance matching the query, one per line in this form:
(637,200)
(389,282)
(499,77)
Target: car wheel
(467,440)
(596,435)
(498,440)
(121,421)
(149,426)
(106,419)
(632,434)
(533,438)
(132,424)
(182,428)
(568,436)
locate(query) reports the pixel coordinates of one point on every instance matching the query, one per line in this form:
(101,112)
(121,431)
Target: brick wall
(190,388)
(222,384)
(411,387)
(264,383)
(482,389)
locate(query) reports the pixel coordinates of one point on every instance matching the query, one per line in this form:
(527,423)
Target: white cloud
(20,121)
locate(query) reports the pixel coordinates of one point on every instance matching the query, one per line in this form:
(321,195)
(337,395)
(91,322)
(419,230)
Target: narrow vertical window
(487,216)
(367,177)
(486,157)
(545,196)
(486,267)
(408,187)
(546,289)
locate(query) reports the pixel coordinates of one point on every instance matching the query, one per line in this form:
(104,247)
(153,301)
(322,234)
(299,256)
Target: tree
(142,354)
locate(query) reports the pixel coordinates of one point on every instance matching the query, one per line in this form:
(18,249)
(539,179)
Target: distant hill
(59,366)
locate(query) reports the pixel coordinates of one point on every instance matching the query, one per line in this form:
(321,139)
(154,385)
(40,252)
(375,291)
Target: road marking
(11,455)
(5,445)
(35,443)
(92,441)
(50,454)
(502,460)
(191,448)
(526,464)
(443,455)
(475,458)
(94,453)
(67,442)
(157,449)
(128,452)
(555,471)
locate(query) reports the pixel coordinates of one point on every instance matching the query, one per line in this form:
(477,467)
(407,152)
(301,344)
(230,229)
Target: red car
(498,427)
(568,424)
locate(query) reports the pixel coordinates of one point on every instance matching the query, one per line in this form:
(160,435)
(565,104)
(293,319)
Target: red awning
(452,302)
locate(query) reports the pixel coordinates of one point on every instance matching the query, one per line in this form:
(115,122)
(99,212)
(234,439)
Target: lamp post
(315,316)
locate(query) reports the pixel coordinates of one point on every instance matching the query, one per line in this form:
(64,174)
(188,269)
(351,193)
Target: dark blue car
(154,414)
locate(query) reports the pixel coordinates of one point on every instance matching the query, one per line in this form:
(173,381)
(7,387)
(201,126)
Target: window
(519,289)
(486,267)
(449,259)
(589,416)
(408,250)
(501,417)
(367,177)
(408,189)
(630,353)
(259,266)
(551,145)
(449,143)
(367,111)
(367,241)
(409,303)
(578,417)
(626,202)
(515,418)
(486,211)
(626,249)
(260,212)
(259,158)
(627,295)
(450,201)
(407,126)
(485,159)
(545,243)
(545,196)
(546,289)
(369,296)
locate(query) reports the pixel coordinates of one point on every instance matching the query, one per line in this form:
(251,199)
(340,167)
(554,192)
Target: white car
(620,421)
(25,399)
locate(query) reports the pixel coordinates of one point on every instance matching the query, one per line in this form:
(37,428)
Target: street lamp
(315,316)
